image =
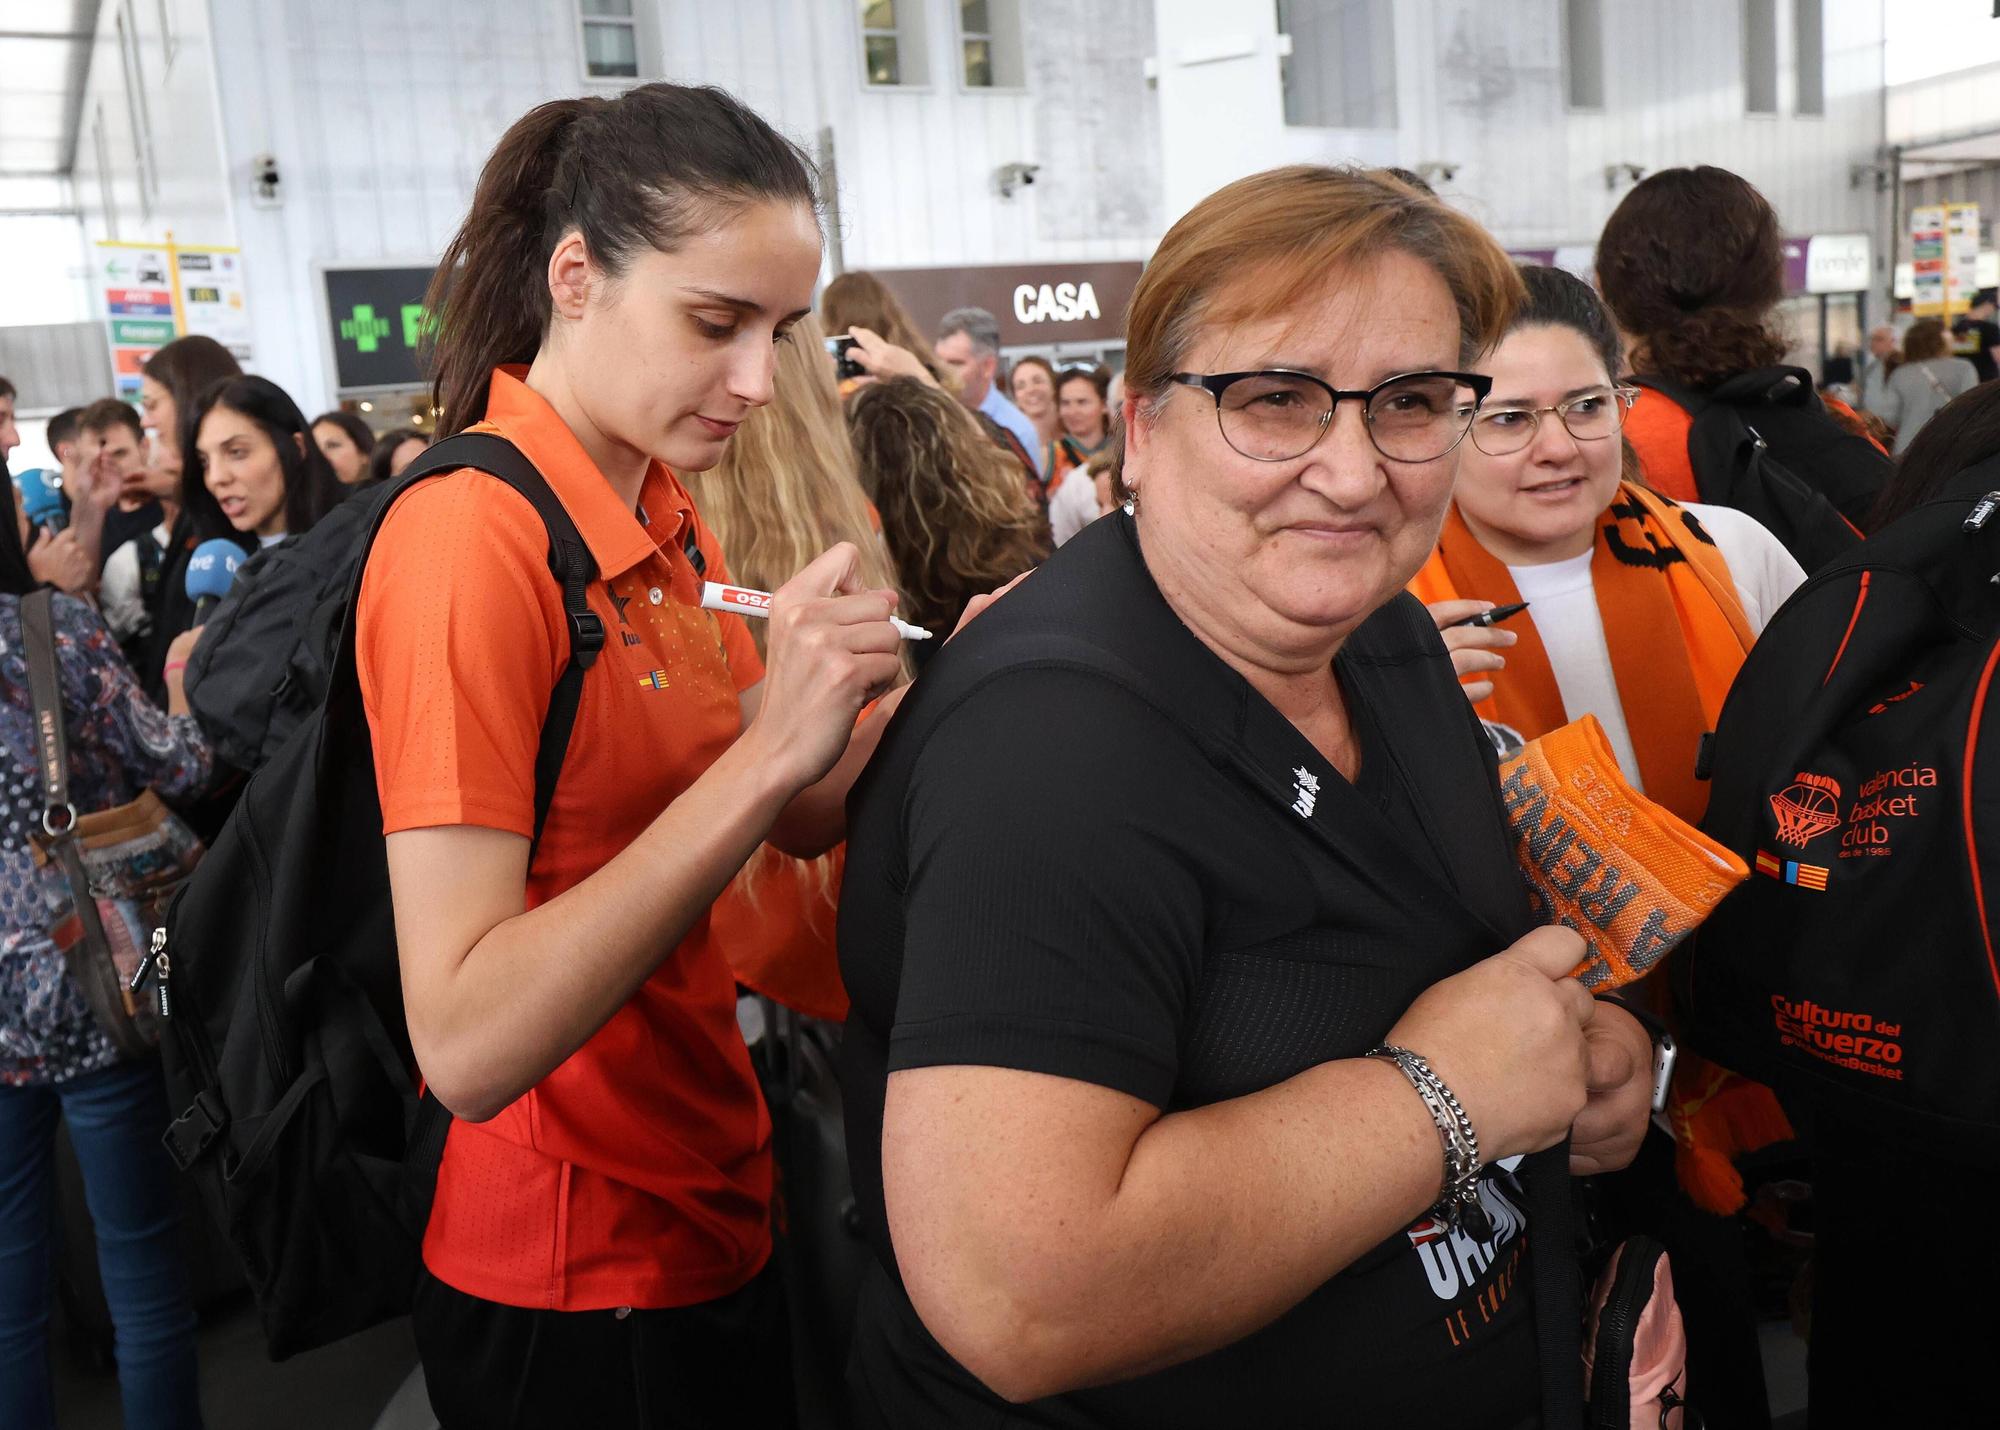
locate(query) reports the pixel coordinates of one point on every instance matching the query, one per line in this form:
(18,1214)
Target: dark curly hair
(956,513)
(1692,263)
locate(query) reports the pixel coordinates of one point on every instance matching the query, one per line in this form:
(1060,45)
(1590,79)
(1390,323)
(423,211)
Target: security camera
(266,186)
(1013,176)
(1438,171)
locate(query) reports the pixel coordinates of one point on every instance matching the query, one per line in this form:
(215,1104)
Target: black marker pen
(1492,617)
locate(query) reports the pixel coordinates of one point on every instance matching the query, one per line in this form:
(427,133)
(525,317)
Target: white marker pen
(746,602)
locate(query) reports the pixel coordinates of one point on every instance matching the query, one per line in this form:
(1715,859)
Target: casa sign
(1035,303)
(1056,302)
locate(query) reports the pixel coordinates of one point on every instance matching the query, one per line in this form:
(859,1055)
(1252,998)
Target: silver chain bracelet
(1458,1204)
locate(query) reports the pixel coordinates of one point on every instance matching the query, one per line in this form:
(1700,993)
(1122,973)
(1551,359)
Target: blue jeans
(115,1119)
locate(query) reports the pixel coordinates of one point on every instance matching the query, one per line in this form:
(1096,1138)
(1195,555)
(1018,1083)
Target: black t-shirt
(121,526)
(1179,898)
(1984,336)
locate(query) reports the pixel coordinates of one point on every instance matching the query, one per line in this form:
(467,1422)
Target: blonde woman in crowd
(784,491)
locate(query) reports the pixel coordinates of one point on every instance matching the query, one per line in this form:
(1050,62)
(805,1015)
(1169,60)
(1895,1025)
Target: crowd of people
(1164,898)
(1907,376)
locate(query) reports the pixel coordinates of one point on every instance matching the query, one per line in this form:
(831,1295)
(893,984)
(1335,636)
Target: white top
(118,589)
(1563,606)
(1074,506)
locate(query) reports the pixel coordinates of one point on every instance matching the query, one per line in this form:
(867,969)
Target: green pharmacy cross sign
(376,319)
(366,331)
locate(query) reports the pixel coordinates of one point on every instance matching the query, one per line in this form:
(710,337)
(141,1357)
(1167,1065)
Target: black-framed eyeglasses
(1275,415)
(1589,417)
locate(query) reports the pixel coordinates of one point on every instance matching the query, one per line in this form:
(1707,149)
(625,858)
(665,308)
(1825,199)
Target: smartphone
(844,366)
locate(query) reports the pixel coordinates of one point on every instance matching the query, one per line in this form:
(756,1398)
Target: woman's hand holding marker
(747,602)
(832,650)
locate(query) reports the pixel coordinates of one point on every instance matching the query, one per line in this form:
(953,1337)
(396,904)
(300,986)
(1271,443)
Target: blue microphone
(210,571)
(41,499)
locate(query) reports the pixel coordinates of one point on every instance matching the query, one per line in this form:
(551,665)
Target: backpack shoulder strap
(569,562)
(38,640)
(1686,398)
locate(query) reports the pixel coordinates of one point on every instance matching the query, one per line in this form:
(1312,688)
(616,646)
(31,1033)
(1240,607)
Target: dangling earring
(1131,501)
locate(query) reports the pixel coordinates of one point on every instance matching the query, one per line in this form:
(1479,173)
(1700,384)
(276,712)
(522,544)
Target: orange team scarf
(1677,634)
(1657,576)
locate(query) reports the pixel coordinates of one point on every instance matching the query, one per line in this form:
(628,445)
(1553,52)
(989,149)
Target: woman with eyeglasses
(1640,611)
(1169,1050)
(1630,613)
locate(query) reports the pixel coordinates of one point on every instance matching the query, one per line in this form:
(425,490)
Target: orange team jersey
(1657,427)
(638,1172)
(775,922)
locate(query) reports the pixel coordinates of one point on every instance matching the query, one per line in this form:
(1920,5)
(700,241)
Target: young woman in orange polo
(597,1253)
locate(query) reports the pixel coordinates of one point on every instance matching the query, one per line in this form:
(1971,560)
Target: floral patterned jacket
(119,743)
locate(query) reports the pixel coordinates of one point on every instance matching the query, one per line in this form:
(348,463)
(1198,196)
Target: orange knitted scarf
(1657,576)
(1677,635)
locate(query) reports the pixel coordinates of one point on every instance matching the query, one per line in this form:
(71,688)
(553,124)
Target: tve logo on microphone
(210,572)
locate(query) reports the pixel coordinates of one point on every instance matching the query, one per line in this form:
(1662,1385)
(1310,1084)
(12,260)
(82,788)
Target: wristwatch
(1665,1050)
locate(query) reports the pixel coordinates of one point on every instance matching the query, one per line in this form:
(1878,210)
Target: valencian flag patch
(1790,871)
(1603,859)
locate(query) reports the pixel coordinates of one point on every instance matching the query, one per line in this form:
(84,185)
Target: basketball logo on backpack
(1806,809)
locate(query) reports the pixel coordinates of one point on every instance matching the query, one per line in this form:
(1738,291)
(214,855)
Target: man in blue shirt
(969,344)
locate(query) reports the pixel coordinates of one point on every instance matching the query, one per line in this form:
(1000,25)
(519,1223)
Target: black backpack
(265,656)
(287,1055)
(1763,443)
(1856,967)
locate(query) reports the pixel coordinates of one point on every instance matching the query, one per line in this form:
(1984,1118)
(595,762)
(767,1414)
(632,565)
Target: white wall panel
(381,113)
(1946,107)
(182,190)
(1480,87)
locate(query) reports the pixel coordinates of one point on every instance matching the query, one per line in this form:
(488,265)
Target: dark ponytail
(1557,299)
(1692,263)
(646,169)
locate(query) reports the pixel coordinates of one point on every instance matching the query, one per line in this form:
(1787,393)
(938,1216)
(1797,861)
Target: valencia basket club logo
(1806,809)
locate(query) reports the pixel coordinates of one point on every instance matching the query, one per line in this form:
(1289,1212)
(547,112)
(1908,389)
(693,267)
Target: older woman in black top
(1121,1131)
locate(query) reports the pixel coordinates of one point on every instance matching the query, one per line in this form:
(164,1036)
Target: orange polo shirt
(638,1173)
(776,923)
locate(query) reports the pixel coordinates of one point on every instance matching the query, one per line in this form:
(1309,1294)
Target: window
(1583,53)
(975,33)
(1809,49)
(892,42)
(1760,56)
(1341,73)
(989,38)
(137,112)
(170,39)
(106,196)
(610,39)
